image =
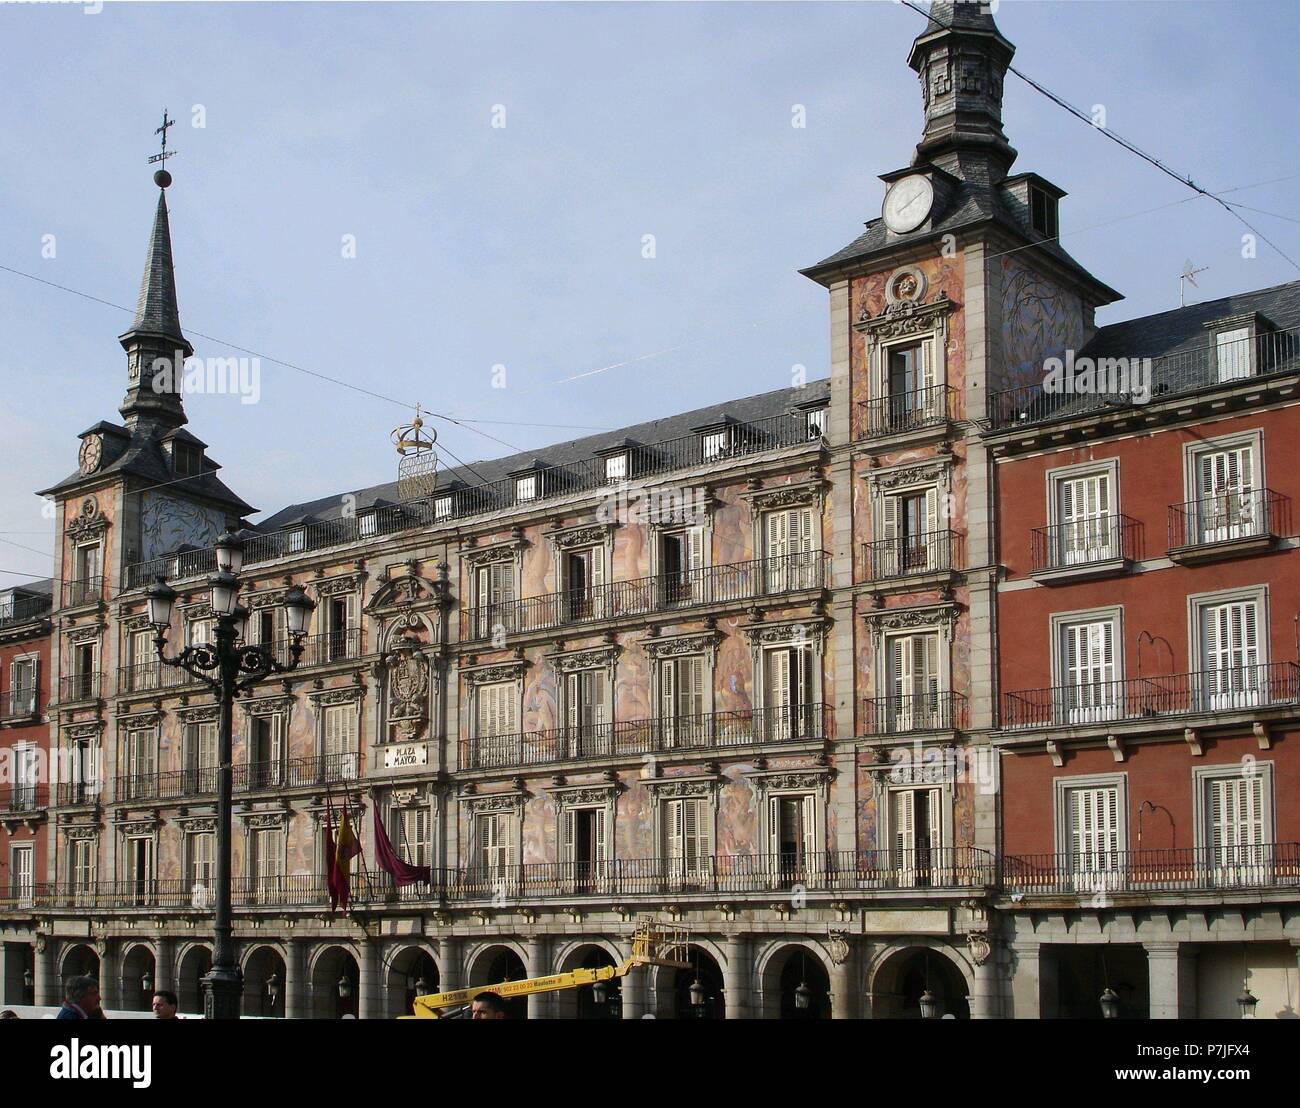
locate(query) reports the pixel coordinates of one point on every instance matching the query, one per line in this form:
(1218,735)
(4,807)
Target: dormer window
(442,507)
(1042,212)
(816,424)
(367,524)
(1232,350)
(615,468)
(714,445)
(296,540)
(526,488)
(187,459)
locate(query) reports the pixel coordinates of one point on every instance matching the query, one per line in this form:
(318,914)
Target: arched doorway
(795,974)
(590,1002)
(908,974)
(194,966)
(139,978)
(335,981)
(264,983)
(496,965)
(708,1001)
(78,961)
(411,972)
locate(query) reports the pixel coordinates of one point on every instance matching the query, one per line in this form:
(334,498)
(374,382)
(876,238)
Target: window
(411,832)
(1090,685)
(909,525)
(85,671)
(187,459)
(496,598)
(23,685)
(914,683)
(267,625)
(1227,507)
(442,507)
(201,757)
(688,838)
(787,693)
(1232,351)
(681,700)
(140,868)
(494,849)
(496,723)
(1085,531)
(141,762)
(26,773)
(681,561)
(1232,654)
(81,867)
(1234,811)
(203,865)
(915,824)
(1042,212)
(526,488)
(143,671)
(616,469)
(792,836)
(200,631)
(816,424)
(587,711)
(22,873)
(584,576)
(791,546)
(339,742)
(266,751)
(296,540)
(85,770)
(268,864)
(583,846)
(340,628)
(713,445)
(367,524)
(1093,829)
(88,563)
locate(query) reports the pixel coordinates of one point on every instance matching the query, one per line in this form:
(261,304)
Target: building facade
(739,668)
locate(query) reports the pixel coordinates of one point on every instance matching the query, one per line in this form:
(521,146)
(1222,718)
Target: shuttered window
(914,683)
(21,872)
(1086,532)
(203,854)
(339,741)
(498,707)
(23,684)
(791,541)
(1094,828)
(495,850)
(688,836)
(83,865)
(1225,481)
(1236,816)
(792,833)
(496,596)
(916,828)
(201,755)
(1232,351)
(1089,676)
(1231,644)
(412,833)
(585,700)
(681,698)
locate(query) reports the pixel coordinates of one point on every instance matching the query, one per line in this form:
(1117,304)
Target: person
(81,1000)
(9,1014)
(487,1006)
(164,1004)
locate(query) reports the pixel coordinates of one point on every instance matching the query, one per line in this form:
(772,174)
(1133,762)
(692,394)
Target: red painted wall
(12,734)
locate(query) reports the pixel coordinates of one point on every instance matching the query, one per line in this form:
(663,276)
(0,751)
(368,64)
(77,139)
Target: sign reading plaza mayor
(407,754)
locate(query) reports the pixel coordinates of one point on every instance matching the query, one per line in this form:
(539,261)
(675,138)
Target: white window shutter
(774,826)
(696,548)
(904,825)
(566,836)
(809,828)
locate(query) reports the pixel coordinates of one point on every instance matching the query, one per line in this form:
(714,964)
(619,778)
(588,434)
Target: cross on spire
(165,153)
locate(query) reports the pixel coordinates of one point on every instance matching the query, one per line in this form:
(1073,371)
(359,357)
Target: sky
(331,130)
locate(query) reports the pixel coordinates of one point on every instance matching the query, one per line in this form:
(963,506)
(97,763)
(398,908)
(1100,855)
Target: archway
(498,964)
(684,995)
(78,961)
(192,969)
(791,974)
(264,982)
(588,1002)
(907,974)
(139,978)
(411,972)
(335,980)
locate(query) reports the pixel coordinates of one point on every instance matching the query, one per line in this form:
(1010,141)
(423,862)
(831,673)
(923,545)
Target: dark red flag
(402,872)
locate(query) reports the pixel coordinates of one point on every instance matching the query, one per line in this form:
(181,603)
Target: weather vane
(162,178)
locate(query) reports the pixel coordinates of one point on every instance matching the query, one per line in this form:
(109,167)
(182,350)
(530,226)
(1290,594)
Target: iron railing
(24,796)
(17,703)
(894,715)
(1214,364)
(909,555)
(457,502)
(1232,688)
(322,769)
(166,785)
(1096,873)
(149,676)
(900,412)
(87,590)
(620,599)
(20,609)
(1227,517)
(78,792)
(1085,542)
(633,738)
(80,686)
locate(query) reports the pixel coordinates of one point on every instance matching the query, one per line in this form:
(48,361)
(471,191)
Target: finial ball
(162,178)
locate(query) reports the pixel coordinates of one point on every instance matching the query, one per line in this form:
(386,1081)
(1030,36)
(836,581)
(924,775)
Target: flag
(402,872)
(348,846)
(330,882)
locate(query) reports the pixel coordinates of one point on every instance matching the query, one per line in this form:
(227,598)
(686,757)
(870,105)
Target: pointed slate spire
(155,343)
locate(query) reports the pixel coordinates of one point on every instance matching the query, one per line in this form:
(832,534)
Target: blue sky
(522,246)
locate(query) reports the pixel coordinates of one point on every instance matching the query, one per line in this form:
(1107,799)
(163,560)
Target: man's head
(84,993)
(164,1004)
(487,1006)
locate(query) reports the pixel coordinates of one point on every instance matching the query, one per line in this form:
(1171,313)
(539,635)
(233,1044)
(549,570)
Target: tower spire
(155,346)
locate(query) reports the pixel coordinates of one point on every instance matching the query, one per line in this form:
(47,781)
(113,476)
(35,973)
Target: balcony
(911,556)
(322,769)
(1227,525)
(903,715)
(72,794)
(631,739)
(20,704)
(1084,548)
(23,798)
(333,646)
(80,686)
(1150,871)
(201,781)
(87,590)
(903,413)
(22,609)
(725,584)
(457,502)
(1272,353)
(150,677)
(1231,689)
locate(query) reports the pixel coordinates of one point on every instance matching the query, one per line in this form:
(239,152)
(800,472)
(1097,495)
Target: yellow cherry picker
(653,944)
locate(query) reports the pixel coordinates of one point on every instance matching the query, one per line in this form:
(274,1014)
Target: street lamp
(273,990)
(599,992)
(1247,1002)
(803,994)
(146,984)
(1109,1004)
(345,987)
(229,668)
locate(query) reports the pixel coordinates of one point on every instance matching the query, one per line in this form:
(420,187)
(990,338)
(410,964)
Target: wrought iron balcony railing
(1272,353)
(24,796)
(168,785)
(1097,873)
(1085,542)
(1228,517)
(737,581)
(80,686)
(321,769)
(911,555)
(20,703)
(460,501)
(151,676)
(896,715)
(900,412)
(87,590)
(634,738)
(1233,688)
(21,609)
(72,793)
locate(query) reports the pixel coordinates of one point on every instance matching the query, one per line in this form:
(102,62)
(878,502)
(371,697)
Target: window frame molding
(1062,787)
(1198,602)
(1058,621)
(1203,776)
(695,645)
(1193,451)
(1057,474)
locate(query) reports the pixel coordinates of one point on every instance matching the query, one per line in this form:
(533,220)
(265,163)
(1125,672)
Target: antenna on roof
(417,472)
(1188,274)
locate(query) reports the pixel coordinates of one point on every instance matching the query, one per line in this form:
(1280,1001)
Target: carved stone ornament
(87,632)
(837,946)
(575,537)
(934,617)
(338,586)
(787,496)
(137,828)
(679,645)
(349,694)
(143,721)
(680,788)
(931,473)
(494,674)
(806,780)
(574,796)
(202,610)
(507,551)
(262,821)
(88,523)
(268,598)
(905,317)
(196,825)
(808,631)
(408,688)
(598,657)
(206,713)
(980,947)
(89,730)
(138,622)
(494,802)
(404,592)
(905,285)
(80,831)
(267,705)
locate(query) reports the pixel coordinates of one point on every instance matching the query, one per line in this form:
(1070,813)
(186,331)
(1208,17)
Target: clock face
(92,450)
(907,203)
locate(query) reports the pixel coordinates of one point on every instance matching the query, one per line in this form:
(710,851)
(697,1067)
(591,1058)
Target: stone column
(1171,975)
(844,994)
(47,988)
(736,976)
(634,984)
(369,999)
(539,965)
(110,983)
(164,964)
(450,967)
(1027,985)
(985,998)
(297,996)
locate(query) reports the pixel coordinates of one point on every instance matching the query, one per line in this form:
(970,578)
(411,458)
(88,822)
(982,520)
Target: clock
(908,203)
(92,451)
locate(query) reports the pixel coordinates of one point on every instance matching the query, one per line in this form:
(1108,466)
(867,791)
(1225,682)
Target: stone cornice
(596,657)
(507,550)
(140,721)
(267,705)
(906,317)
(941,617)
(704,642)
(804,779)
(931,471)
(787,632)
(494,672)
(341,585)
(794,495)
(572,796)
(479,803)
(586,534)
(344,694)
(91,729)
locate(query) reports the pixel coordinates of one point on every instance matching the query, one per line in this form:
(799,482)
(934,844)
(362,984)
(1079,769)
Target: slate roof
(156,312)
(745,410)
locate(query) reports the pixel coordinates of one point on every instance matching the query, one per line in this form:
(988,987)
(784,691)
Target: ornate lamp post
(229,668)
